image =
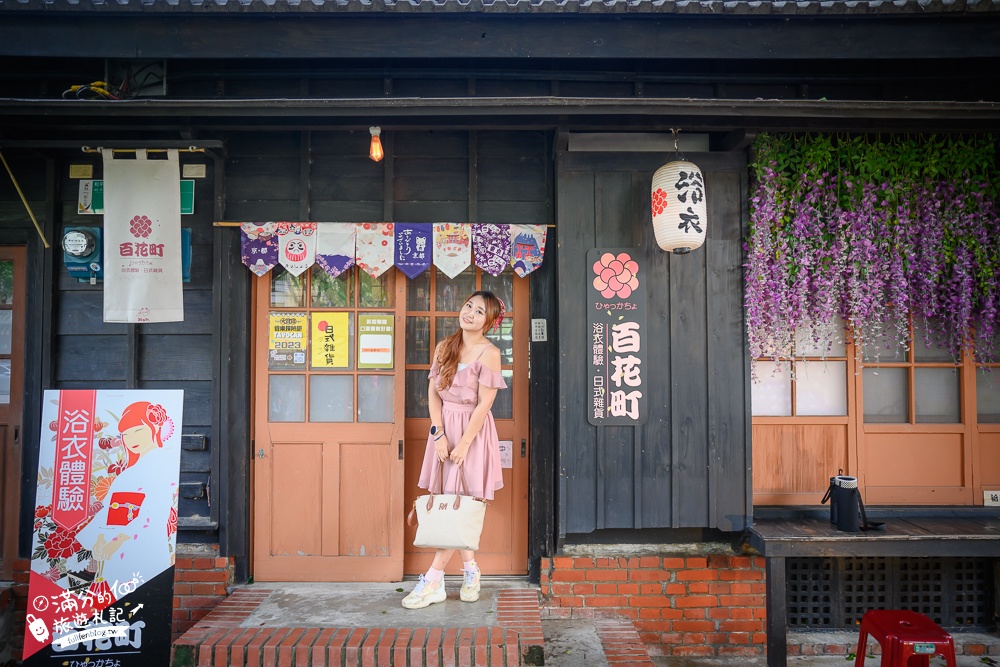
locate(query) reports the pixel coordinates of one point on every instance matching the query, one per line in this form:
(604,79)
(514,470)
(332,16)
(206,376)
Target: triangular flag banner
(491,247)
(452,247)
(296,245)
(374,247)
(413,248)
(335,248)
(259,246)
(528,247)
(142,239)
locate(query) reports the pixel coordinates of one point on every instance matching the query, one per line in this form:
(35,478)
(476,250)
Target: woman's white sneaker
(470,586)
(425,593)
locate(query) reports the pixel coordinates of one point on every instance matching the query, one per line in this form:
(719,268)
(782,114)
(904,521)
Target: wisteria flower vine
(878,232)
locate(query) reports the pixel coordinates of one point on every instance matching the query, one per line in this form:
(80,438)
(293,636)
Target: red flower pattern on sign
(61,543)
(140,227)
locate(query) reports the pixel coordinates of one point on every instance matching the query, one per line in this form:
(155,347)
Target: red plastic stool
(904,635)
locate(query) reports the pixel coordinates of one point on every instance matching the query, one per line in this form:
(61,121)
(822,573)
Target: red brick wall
(709,605)
(200,581)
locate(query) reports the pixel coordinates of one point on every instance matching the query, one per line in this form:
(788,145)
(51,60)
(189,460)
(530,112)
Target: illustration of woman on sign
(130,537)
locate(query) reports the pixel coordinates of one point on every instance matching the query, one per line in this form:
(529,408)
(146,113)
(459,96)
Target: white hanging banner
(375,247)
(296,245)
(142,235)
(528,247)
(335,247)
(452,247)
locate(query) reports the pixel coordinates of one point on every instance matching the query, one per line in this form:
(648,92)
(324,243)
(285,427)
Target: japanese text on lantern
(74,447)
(691,190)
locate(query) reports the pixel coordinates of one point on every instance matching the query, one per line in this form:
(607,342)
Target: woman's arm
(490,359)
(434,410)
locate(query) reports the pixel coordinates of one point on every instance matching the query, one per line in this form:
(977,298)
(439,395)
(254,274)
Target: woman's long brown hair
(451,349)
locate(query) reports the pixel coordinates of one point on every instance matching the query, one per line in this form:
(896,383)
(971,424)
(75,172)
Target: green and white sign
(91,198)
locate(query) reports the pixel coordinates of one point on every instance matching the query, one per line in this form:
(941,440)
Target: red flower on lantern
(61,544)
(659,201)
(616,276)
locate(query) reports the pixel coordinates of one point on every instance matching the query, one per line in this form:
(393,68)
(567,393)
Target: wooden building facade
(526,113)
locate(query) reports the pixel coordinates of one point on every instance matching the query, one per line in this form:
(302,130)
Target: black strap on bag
(865,524)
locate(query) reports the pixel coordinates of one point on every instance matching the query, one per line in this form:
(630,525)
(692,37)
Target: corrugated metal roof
(585,7)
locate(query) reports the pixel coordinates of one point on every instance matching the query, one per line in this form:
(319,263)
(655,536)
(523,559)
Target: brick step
(220,640)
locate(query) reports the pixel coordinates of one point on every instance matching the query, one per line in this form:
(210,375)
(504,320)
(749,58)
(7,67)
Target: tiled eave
(502,7)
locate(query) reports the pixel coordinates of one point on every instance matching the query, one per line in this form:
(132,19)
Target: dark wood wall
(688,465)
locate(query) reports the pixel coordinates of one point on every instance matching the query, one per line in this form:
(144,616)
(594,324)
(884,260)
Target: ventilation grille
(834,593)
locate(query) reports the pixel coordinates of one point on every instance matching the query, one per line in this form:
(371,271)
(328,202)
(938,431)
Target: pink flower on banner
(616,276)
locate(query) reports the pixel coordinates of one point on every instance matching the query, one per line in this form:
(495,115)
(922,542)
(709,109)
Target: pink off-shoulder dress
(483,474)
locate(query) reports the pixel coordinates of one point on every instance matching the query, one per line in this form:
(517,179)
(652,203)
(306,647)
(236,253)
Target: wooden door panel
(296,490)
(792,463)
(989,462)
(915,469)
(365,529)
(13,259)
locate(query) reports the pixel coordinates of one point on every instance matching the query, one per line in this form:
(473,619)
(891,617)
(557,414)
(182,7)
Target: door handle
(400,450)
(260,453)
(524,447)
(17,435)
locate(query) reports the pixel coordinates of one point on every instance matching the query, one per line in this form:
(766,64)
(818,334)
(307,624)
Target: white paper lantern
(680,215)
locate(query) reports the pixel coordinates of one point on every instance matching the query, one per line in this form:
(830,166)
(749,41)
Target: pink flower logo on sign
(140,226)
(616,276)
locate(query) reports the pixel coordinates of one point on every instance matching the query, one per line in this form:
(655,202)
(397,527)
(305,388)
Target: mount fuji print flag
(335,247)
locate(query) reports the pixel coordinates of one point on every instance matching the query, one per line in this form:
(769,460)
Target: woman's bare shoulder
(491,357)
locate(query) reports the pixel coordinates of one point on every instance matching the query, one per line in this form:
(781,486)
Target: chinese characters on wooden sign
(616,329)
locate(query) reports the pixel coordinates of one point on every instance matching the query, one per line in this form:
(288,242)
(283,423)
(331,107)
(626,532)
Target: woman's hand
(103,550)
(458,454)
(441,448)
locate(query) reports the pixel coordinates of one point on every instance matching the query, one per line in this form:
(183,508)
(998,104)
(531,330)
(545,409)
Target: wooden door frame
(10,465)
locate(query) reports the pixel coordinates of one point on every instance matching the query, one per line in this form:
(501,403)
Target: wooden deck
(962,533)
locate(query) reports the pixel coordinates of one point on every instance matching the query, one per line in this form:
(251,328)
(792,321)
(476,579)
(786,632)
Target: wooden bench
(958,534)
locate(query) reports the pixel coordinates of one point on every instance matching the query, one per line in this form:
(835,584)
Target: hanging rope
(24,201)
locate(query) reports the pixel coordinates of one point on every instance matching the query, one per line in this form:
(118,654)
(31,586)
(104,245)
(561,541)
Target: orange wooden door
(12,297)
(433,302)
(328,460)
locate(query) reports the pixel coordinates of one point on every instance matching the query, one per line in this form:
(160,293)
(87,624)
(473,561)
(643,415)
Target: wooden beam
(103,34)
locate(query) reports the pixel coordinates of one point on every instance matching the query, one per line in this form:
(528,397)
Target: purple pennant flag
(259,246)
(491,247)
(413,248)
(335,247)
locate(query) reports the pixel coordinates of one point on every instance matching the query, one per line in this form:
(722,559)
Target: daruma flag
(105,528)
(142,235)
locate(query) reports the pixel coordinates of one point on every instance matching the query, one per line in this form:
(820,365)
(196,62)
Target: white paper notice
(506,453)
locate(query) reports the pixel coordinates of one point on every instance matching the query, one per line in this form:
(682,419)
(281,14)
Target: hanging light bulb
(375,150)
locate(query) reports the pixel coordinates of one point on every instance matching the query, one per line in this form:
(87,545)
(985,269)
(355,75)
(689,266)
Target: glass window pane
(503,338)
(286,398)
(418,292)
(926,348)
(418,339)
(936,395)
(331,398)
(813,343)
(6,330)
(416,394)
(883,344)
(375,398)
(450,294)
(503,404)
(376,292)
(771,395)
(328,292)
(7,282)
(820,388)
(988,395)
(886,395)
(287,291)
(5,381)
(502,286)
(444,327)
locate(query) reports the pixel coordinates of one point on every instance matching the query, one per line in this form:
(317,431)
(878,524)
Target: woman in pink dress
(464,380)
